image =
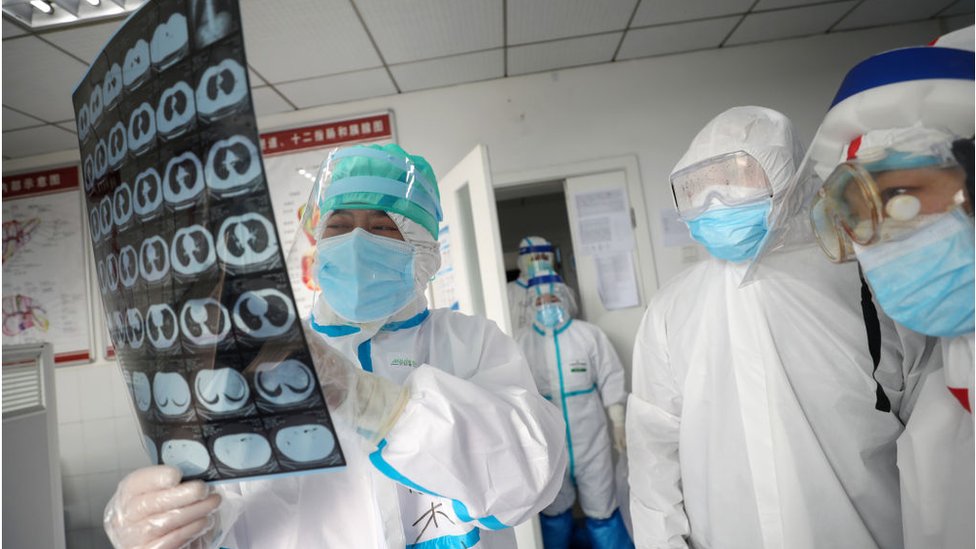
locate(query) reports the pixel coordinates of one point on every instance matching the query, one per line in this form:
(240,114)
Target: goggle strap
(873,328)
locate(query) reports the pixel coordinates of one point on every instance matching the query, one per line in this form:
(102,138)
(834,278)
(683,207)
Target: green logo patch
(408,362)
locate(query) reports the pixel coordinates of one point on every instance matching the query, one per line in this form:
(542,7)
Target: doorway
(537,209)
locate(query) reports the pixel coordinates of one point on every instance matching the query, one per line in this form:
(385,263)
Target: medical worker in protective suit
(447,441)
(896,158)
(752,420)
(535,253)
(576,368)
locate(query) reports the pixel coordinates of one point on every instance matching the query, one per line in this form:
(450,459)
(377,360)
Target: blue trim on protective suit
(906,64)
(562,398)
(415,320)
(461,510)
(563,328)
(334,330)
(521,284)
(365,355)
(581,392)
(459,541)
(545,279)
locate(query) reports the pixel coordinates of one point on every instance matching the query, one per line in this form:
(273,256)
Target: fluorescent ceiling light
(94,2)
(42,5)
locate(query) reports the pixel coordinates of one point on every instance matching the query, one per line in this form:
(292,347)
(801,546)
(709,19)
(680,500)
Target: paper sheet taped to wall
(189,262)
(603,221)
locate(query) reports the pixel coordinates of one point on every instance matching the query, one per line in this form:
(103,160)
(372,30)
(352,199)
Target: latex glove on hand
(370,403)
(152,509)
(616,413)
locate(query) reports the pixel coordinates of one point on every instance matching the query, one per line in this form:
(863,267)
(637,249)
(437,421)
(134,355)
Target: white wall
(650,108)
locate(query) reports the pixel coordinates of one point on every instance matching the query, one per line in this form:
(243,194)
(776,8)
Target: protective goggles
(731,179)
(884,195)
(365,178)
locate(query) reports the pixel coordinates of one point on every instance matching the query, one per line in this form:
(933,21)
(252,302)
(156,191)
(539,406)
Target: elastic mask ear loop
(962,149)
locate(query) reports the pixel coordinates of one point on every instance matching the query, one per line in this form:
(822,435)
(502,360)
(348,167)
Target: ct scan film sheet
(188,260)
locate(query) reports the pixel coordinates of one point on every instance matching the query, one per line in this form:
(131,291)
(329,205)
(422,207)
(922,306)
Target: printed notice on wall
(45,291)
(603,221)
(190,265)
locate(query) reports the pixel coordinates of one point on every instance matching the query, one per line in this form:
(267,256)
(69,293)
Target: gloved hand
(370,403)
(616,413)
(151,509)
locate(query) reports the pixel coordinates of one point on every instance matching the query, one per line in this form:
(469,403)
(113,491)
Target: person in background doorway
(535,253)
(446,439)
(576,368)
(900,202)
(753,421)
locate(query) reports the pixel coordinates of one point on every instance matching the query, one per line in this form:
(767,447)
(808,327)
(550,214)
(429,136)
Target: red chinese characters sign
(34,183)
(330,134)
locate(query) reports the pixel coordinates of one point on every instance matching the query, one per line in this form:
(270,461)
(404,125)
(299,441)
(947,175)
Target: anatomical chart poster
(45,290)
(190,267)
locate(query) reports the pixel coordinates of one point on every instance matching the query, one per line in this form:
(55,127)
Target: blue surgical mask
(732,234)
(365,277)
(925,281)
(550,315)
(538,266)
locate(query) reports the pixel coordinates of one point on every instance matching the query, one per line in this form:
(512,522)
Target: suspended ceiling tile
(45,139)
(255,79)
(68,126)
(676,38)
(560,54)
(420,29)
(537,20)
(83,41)
(447,71)
(960,7)
(957,22)
(267,101)
(338,88)
(297,39)
(774,25)
(764,5)
(10,29)
(13,120)
(873,13)
(657,12)
(40,84)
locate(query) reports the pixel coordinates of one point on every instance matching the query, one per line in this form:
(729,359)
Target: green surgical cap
(384,177)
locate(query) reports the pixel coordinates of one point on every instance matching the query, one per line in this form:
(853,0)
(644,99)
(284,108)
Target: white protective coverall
(751,421)
(936,450)
(935,455)
(475,450)
(576,368)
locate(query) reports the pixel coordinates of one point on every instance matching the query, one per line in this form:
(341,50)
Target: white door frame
(631,168)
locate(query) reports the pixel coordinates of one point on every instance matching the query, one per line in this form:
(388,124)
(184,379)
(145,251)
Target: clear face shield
(731,179)
(550,303)
(885,195)
(349,249)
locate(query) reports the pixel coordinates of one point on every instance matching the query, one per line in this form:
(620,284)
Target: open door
(472,275)
(614,258)
(471,246)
